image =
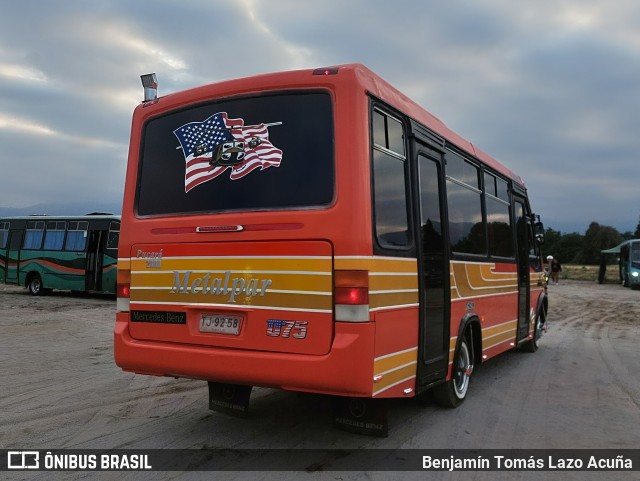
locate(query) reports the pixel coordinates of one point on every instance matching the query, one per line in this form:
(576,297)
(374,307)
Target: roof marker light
(150,84)
(326,71)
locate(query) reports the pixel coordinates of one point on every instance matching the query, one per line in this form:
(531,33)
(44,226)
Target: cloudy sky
(549,88)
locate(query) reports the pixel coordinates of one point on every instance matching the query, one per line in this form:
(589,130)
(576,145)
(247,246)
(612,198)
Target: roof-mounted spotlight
(150,84)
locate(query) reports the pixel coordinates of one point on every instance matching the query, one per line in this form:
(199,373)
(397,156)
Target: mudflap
(229,398)
(361,416)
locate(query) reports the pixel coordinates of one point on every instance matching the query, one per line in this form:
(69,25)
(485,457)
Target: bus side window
(498,217)
(34,235)
(535,260)
(76,236)
(114,236)
(464,198)
(54,235)
(4,234)
(389,181)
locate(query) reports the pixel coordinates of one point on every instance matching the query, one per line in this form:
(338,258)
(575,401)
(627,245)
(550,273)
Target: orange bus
(318,231)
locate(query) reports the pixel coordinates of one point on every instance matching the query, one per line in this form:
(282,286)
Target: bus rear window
(257,153)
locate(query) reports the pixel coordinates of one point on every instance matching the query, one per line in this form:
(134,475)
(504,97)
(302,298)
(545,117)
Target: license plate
(220,324)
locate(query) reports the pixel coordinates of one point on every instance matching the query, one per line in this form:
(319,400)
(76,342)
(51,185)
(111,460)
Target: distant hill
(60,209)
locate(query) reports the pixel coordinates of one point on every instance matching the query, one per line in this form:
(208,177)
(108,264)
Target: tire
(35,285)
(532,345)
(453,392)
(541,319)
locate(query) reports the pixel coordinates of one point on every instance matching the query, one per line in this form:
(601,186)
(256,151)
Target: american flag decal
(219,143)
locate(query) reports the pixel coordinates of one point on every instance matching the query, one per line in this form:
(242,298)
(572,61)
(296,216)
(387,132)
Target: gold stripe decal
(393,369)
(393,281)
(262,282)
(474,279)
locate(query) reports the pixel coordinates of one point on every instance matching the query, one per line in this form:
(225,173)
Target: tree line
(574,248)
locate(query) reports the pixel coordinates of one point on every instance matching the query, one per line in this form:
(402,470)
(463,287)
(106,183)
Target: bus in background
(77,253)
(318,231)
(628,257)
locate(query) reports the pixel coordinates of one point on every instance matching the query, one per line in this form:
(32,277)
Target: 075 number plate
(221,324)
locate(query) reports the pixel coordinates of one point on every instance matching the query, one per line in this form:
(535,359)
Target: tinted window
(389,181)
(114,236)
(15,240)
(499,228)
(268,152)
(388,133)
(461,170)
(390,200)
(395,137)
(379,129)
(490,184)
(466,230)
(635,254)
(430,205)
(502,190)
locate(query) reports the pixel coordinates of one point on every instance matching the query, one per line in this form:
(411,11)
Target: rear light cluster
(123,291)
(351,296)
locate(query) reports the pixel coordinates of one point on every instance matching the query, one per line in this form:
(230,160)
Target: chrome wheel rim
(463,372)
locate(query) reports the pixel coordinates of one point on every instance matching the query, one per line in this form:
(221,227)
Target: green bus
(628,257)
(77,253)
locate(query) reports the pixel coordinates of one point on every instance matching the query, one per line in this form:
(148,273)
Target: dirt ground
(61,389)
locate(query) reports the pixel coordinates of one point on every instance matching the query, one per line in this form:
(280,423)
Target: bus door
(624,264)
(433,270)
(16,238)
(95,248)
(110,258)
(523,242)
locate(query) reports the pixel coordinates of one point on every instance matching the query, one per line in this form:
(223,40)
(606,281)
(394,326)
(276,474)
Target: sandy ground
(61,389)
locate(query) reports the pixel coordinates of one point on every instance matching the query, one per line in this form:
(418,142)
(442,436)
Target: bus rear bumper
(347,370)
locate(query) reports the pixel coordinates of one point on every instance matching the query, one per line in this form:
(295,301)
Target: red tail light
(351,299)
(352,295)
(123,290)
(352,287)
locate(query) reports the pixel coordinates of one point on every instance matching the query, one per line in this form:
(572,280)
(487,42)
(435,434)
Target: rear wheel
(35,285)
(453,392)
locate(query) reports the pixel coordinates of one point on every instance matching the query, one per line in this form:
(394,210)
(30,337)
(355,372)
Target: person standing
(555,268)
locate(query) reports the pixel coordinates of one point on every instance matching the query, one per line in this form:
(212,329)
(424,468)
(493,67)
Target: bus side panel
(58,270)
(396,352)
(394,305)
(488,291)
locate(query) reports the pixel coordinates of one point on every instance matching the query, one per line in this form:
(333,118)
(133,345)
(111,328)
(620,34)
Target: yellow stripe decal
(393,369)
(478,279)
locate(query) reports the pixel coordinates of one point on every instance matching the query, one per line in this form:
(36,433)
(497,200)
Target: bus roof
(101,216)
(368,81)
(616,249)
(380,88)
